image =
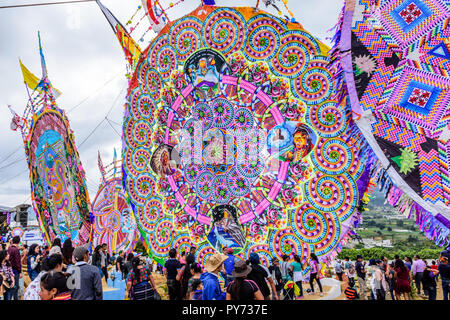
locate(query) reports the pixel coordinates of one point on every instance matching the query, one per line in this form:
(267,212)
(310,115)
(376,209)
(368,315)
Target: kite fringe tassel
(432,228)
(338,74)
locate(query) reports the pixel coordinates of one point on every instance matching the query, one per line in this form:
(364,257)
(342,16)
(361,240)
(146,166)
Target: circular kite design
(246,134)
(58,186)
(114,222)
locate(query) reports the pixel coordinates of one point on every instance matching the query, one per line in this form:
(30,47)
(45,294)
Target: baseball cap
(80,251)
(55,250)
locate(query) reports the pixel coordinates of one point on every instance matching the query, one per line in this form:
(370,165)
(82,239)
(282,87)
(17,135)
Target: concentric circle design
(150,213)
(205,185)
(185,37)
(326,119)
(204,113)
(209,100)
(223,112)
(137,160)
(293,55)
(153,83)
(238,185)
(221,193)
(315,85)
(263,250)
(333,194)
(193,171)
(203,252)
(225,31)
(285,242)
(167,61)
(182,243)
(263,38)
(162,237)
(142,187)
(137,133)
(243,122)
(250,168)
(333,155)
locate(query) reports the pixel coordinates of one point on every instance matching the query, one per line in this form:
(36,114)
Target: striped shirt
(350,293)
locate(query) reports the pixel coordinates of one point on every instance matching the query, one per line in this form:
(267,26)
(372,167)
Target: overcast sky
(86,63)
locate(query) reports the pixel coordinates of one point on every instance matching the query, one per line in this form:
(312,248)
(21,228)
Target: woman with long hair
(67,252)
(34,261)
(297,270)
(242,289)
(56,242)
(97,259)
(54,286)
(314,264)
(184,275)
(7,274)
(53,262)
(127,266)
(402,278)
(140,283)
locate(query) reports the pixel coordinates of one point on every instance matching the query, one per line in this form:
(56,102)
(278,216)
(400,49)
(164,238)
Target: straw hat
(215,261)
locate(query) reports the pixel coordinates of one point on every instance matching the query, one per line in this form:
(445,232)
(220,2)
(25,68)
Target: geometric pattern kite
(114,223)
(396,62)
(231,137)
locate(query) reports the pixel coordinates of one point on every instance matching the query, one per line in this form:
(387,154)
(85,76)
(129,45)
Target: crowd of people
(243,280)
(62,272)
(401,279)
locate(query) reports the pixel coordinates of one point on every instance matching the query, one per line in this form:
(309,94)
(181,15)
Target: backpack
(144,291)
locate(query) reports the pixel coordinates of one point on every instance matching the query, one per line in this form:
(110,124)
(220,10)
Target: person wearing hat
(87,279)
(229,266)
(210,279)
(261,275)
(242,289)
(361,273)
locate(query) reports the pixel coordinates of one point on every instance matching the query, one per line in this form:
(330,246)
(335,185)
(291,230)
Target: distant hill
(378,201)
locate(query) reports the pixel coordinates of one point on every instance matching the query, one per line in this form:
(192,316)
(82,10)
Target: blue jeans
(13,293)
(446,288)
(391,290)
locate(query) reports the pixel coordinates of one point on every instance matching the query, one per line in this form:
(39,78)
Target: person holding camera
(34,261)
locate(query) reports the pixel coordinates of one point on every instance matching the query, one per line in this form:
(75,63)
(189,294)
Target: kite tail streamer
(340,91)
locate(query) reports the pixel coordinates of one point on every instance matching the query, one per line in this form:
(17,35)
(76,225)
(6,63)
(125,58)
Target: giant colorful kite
(232,138)
(114,222)
(58,189)
(395,60)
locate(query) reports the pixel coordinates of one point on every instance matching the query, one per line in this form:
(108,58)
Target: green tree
(399,223)
(139,248)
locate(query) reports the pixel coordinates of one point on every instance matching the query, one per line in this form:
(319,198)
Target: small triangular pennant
(440,51)
(397,160)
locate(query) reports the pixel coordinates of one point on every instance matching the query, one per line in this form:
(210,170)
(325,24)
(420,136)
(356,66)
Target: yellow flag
(30,79)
